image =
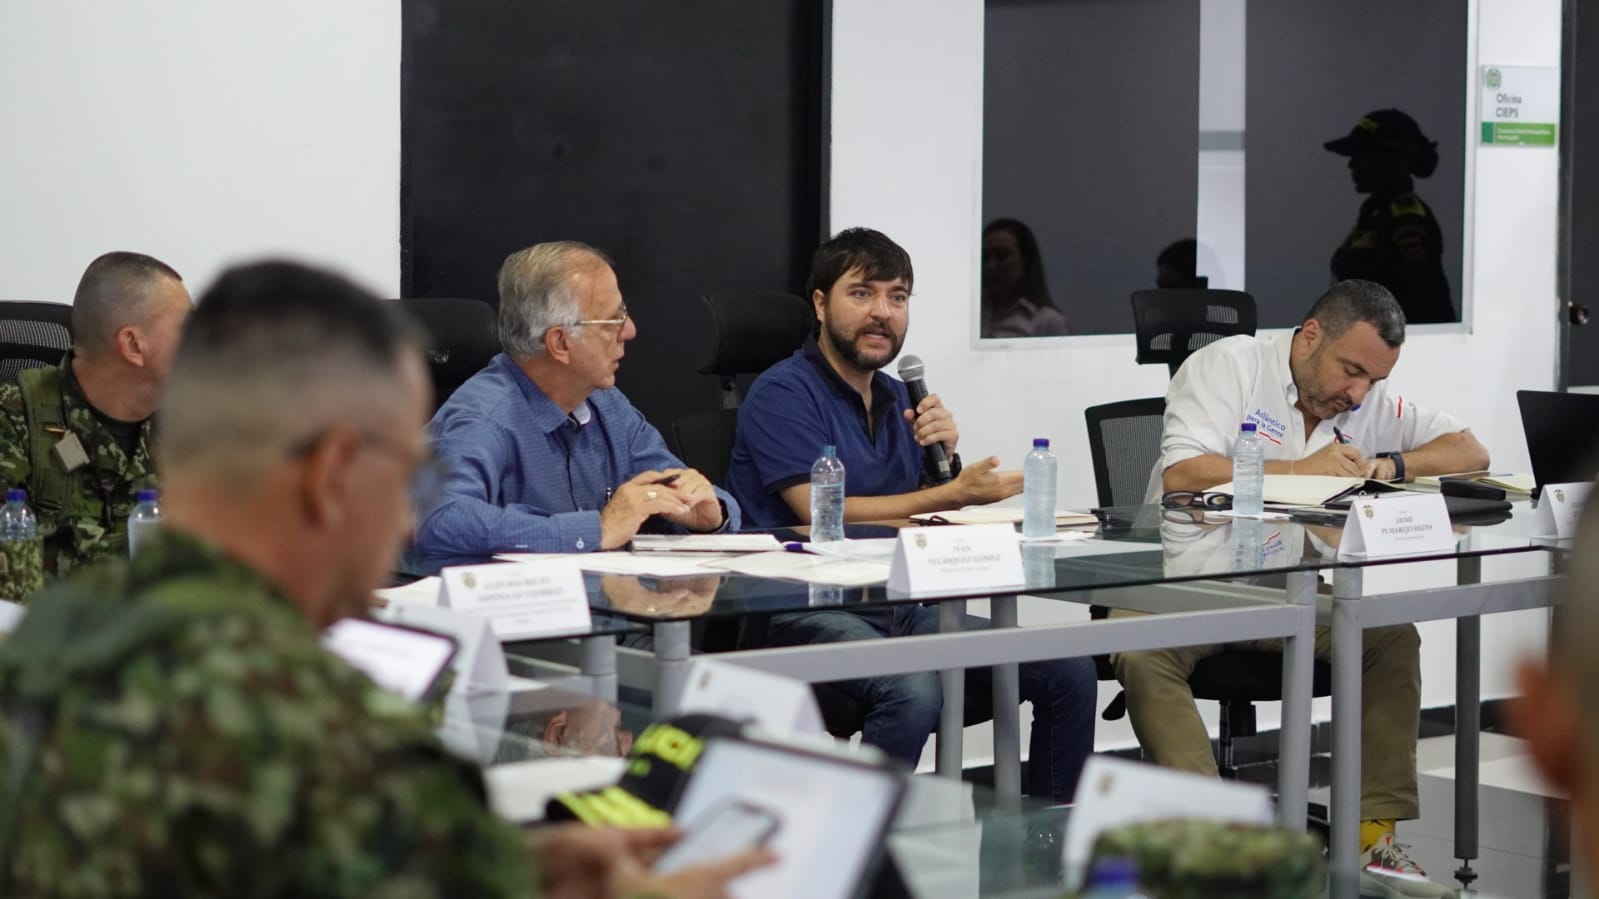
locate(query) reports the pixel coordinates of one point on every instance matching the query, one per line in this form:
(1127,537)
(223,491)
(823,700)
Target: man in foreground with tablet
(174,726)
(832,391)
(544,454)
(1319,398)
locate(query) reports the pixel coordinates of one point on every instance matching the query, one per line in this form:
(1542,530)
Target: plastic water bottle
(1249,471)
(822,595)
(144,519)
(827,497)
(21,547)
(1249,550)
(1112,878)
(1038,490)
(1038,564)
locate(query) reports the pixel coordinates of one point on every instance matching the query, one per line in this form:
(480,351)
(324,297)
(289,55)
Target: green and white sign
(1520,105)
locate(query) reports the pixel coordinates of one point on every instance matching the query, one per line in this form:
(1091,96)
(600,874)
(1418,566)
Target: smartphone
(727,828)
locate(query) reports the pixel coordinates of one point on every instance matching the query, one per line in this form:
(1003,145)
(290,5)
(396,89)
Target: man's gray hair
(273,354)
(536,293)
(1348,302)
(113,293)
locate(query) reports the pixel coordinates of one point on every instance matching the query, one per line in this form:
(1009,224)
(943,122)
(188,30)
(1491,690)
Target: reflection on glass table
(948,839)
(665,597)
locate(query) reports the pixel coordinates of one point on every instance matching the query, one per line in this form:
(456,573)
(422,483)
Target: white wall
(200,132)
(916,174)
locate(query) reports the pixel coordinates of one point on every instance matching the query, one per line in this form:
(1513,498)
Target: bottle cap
(1041,442)
(1113,870)
(16,495)
(146,496)
(1248,427)
(829,450)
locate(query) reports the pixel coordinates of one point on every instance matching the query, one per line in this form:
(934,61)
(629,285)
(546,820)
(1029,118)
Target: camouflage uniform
(83,514)
(1186,858)
(203,743)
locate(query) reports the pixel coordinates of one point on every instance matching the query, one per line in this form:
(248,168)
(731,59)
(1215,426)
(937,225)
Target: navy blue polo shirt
(800,405)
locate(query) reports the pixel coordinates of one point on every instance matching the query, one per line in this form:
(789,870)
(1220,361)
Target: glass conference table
(949,839)
(1200,578)
(1194,616)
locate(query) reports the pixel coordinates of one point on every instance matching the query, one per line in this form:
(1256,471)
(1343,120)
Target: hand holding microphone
(932,424)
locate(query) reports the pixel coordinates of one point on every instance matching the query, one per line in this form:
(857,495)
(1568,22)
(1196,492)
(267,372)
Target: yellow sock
(1372,831)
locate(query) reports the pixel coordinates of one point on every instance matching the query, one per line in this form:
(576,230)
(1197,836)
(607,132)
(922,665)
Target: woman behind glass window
(1016,299)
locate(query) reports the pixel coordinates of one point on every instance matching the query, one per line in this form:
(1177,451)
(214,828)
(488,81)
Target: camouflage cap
(658,766)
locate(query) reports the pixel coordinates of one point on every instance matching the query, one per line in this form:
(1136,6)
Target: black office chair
(1171,324)
(753,331)
(462,337)
(32,335)
(1124,442)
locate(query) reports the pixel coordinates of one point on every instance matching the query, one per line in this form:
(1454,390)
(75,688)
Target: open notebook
(999,515)
(1314,490)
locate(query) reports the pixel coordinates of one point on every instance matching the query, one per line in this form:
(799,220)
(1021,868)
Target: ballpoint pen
(1339,436)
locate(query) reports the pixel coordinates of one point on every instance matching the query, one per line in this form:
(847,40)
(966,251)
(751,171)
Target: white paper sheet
(806,567)
(876,549)
(422,592)
(1060,537)
(650,564)
(1000,515)
(702,543)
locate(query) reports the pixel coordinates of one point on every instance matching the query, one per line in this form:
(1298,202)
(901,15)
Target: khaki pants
(1170,730)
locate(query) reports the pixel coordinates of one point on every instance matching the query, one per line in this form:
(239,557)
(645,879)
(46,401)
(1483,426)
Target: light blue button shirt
(526,477)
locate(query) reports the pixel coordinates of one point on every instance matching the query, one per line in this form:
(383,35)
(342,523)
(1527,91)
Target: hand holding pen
(1339,458)
(673,495)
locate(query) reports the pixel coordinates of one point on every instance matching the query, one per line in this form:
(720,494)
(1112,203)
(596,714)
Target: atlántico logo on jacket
(1267,427)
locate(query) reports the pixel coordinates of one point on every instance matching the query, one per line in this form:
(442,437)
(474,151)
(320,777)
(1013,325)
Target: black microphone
(910,371)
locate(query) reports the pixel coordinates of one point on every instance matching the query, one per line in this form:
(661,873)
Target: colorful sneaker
(1388,872)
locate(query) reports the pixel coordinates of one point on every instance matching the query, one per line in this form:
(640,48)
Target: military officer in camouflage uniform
(173,727)
(79,435)
(1396,240)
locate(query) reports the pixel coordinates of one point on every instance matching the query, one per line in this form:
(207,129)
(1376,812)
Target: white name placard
(1115,792)
(1397,525)
(479,662)
(778,704)
(1559,510)
(956,559)
(520,600)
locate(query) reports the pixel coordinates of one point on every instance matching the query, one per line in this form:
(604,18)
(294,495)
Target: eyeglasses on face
(1180,499)
(428,473)
(619,320)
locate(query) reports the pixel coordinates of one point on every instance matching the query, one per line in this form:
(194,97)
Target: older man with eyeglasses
(544,454)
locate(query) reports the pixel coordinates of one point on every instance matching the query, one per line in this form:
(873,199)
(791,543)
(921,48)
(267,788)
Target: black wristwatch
(1399,464)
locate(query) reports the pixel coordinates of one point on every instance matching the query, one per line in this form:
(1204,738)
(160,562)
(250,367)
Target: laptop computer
(1562,435)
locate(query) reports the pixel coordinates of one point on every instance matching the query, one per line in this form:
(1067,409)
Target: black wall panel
(1582,351)
(684,139)
(1314,68)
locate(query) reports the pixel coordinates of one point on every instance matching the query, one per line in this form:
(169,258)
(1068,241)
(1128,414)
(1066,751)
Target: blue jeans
(902,710)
